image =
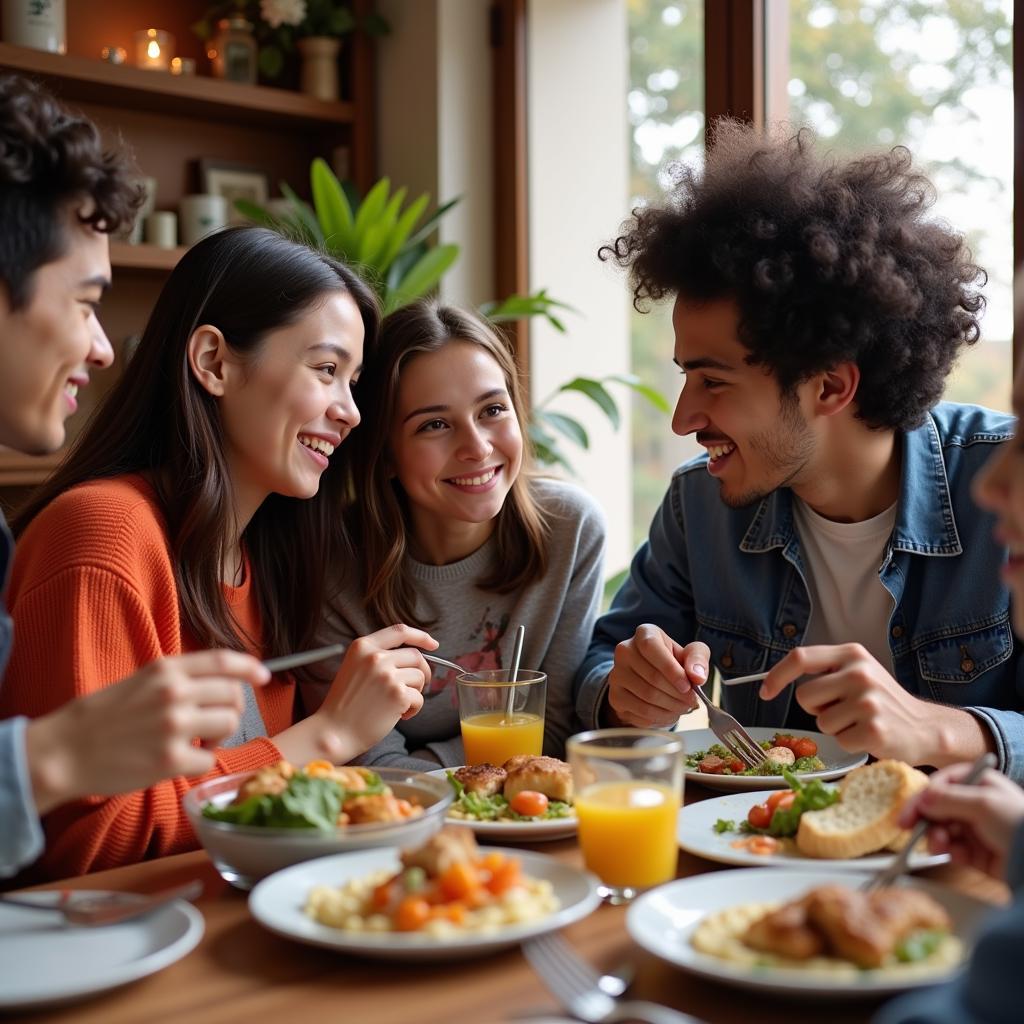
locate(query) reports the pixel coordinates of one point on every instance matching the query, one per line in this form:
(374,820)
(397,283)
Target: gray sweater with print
(475,628)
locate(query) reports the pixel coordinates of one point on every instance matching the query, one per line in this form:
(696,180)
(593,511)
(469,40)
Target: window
(936,76)
(666,119)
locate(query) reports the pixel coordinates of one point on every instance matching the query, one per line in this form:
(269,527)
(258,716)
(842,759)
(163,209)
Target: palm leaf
(598,394)
(332,209)
(423,276)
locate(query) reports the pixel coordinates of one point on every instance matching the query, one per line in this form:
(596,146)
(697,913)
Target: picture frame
(234,181)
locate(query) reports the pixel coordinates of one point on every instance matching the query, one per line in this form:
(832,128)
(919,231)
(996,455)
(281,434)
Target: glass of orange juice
(629,789)
(500,718)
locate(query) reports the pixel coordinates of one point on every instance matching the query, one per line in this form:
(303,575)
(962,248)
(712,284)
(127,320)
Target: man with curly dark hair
(828,533)
(60,197)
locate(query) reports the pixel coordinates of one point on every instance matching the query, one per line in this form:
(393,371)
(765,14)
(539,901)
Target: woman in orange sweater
(198,510)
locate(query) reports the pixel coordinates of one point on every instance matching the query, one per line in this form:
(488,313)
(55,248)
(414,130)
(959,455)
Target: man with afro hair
(828,533)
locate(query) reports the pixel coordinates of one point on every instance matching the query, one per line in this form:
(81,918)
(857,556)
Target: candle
(153,49)
(183,66)
(162,229)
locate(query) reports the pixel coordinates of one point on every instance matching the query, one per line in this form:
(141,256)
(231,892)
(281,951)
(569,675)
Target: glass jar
(233,50)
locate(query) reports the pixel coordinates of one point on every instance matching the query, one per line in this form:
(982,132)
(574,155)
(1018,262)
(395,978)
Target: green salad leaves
(810,796)
(307,802)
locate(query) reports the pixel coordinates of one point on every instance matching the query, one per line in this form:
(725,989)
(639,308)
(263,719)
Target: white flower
(282,12)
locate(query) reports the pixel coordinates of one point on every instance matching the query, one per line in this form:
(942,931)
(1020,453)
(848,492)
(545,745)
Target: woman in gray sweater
(456,535)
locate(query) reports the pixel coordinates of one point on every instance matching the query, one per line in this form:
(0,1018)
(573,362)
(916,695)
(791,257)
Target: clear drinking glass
(629,789)
(500,718)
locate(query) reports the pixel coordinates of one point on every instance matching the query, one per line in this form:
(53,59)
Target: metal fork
(575,984)
(106,908)
(734,737)
(889,874)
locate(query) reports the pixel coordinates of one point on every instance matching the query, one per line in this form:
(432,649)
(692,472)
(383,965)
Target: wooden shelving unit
(144,257)
(170,123)
(193,96)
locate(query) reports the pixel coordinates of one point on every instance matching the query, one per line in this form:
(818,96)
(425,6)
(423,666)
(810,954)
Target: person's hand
(650,681)
(854,699)
(140,730)
(380,681)
(973,824)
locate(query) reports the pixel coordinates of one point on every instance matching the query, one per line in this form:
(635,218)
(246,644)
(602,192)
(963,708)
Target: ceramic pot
(320,66)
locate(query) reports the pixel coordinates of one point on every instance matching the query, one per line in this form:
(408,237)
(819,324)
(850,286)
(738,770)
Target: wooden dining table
(241,972)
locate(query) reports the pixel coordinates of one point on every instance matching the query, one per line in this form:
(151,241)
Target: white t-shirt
(841,560)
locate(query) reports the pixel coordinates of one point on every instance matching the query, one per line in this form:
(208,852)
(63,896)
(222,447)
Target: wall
(578,158)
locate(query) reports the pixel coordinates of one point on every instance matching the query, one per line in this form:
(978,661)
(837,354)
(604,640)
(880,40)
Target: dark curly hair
(51,157)
(827,262)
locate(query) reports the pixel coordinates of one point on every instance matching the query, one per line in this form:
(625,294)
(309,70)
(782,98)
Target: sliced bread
(864,819)
(918,782)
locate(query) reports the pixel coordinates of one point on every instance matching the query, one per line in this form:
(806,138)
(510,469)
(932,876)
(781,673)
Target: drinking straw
(517,653)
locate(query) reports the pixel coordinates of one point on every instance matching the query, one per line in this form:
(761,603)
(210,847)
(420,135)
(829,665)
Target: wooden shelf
(144,257)
(199,96)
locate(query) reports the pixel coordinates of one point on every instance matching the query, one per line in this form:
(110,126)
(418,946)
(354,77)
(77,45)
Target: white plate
(44,961)
(663,920)
(696,835)
(277,903)
(837,761)
(514,831)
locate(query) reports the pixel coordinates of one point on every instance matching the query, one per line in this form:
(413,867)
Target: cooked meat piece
(452,845)
(362,810)
(545,775)
(268,781)
(786,932)
(865,927)
(517,761)
(484,779)
(350,778)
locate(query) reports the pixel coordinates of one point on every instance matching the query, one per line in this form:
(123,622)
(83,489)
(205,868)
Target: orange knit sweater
(93,599)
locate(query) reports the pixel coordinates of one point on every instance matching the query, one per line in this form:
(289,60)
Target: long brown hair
(380,510)
(157,420)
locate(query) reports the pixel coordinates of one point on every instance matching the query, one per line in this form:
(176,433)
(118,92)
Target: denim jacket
(735,579)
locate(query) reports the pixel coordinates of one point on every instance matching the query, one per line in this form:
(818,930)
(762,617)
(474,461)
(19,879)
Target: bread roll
(864,819)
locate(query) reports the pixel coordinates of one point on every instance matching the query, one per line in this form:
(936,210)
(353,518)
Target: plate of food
(527,799)
(848,827)
(810,755)
(447,899)
(794,931)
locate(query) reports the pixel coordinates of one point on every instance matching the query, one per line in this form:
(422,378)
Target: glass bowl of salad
(254,823)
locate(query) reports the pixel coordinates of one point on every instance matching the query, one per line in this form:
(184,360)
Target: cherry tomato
(736,766)
(760,816)
(711,765)
(529,803)
(784,739)
(782,800)
(784,797)
(805,747)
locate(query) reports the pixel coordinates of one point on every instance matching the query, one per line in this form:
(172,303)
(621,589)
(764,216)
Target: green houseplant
(389,240)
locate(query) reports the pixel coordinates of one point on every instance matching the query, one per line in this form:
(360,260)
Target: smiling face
(757,440)
(455,445)
(999,487)
(286,407)
(47,346)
